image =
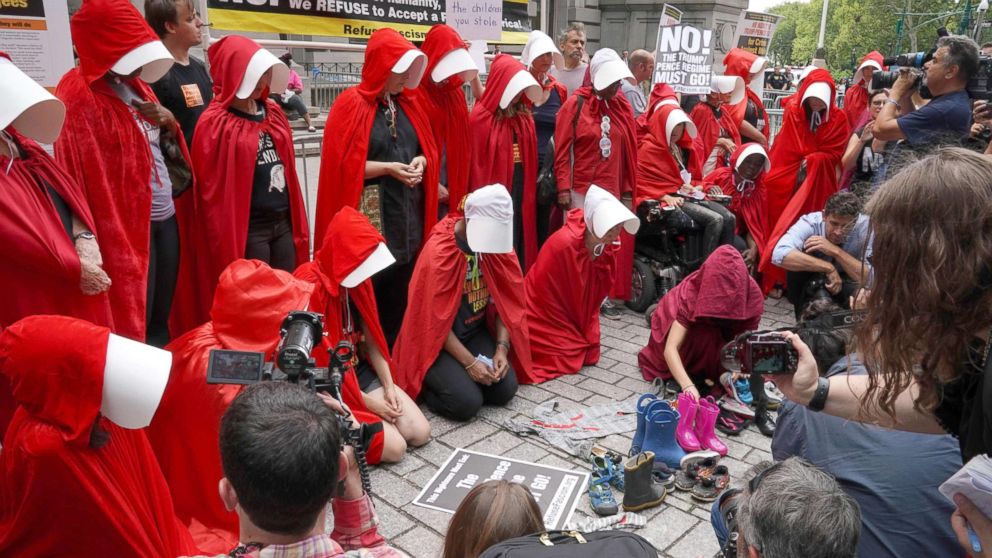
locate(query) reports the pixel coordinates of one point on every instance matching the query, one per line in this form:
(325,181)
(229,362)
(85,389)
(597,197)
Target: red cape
(660,92)
(346,137)
(794,144)
(42,273)
(658,173)
(856,96)
(738,63)
(59,496)
(708,132)
(564,290)
(251,302)
(492,141)
(436,292)
(750,207)
(225,150)
(720,289)
(104,151)
(448,111)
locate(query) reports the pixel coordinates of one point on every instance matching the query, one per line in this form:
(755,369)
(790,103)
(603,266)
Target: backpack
(573,544)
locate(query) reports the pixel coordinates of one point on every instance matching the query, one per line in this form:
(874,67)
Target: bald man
(641,64)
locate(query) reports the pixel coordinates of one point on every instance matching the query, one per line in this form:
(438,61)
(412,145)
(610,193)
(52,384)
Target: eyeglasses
(755,481)
(878,103)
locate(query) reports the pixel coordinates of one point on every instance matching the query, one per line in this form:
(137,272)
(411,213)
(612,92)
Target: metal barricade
(774,123)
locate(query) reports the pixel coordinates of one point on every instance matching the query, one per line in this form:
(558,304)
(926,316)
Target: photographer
(948,114)
(925,338)
(825,246)
(281,451)
(787,509)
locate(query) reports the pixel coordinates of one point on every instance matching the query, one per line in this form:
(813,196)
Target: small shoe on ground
(601,498)
(311,129)
(711,483)
(610,310)
(765,423)
(663,475)
(607,464)
(731,423)
(734,406)
(743,391)
(642,490)
(697,456)
(772,393)
(688,476)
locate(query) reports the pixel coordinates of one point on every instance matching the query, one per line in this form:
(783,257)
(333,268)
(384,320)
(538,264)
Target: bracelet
(894,102)
(504,344)
(819,399)
(473,363)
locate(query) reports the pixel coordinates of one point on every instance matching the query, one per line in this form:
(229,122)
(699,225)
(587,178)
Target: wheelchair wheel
(643,289)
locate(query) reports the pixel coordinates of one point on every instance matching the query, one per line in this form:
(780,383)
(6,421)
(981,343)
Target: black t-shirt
(399,210)
(754,114)
(965,408)
(186,91)
(471,315)
(778,81)
(268,190)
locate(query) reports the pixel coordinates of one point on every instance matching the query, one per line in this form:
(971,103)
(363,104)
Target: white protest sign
(476,19)
(35,33)
(754,34)
(670,15)
(684,58)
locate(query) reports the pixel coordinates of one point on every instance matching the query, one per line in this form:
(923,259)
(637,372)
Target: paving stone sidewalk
(679,528)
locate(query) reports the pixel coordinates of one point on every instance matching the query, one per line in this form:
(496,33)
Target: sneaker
(730,386)
(311,129)
(711,483)
(772,393)
(734,406)
(743,387)
(610,310)
(663,475)
(607,463)
(601,498)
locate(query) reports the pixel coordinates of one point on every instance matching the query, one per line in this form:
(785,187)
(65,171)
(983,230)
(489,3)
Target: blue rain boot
(642,405)
(660,436)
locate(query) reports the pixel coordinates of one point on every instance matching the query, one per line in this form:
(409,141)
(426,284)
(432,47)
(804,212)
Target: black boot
(642,491)
(765,422)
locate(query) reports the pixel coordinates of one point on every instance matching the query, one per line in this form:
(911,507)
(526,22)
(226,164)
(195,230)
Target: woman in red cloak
(697,318)
(250,304)
(749,113)
(661,94)
(379,157)
(805,163)
(466,280)
(856,96)
(667,169)
(573,273)
(600,149)
(77,475)
(113,145)
(505,143)
(248,198)
(352,252)
(743,182)
(449,66)
(718,135)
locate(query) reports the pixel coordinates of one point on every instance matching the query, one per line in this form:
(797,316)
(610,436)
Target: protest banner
(670,15)
(476,19)
(35,33)
(357,19)
(754,31)
(683,57)
(557,491)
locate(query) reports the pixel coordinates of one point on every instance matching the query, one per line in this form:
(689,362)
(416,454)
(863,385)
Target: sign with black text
(754,31)
(684,58)
(557,491)
(35,33)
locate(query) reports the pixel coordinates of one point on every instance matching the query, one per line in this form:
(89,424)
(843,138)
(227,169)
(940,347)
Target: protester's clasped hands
(92,278)
(154,113)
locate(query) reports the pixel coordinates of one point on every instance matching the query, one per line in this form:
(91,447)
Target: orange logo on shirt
(191,92)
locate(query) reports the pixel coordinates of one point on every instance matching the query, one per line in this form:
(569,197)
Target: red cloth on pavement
(251,302)
(658,173)
(103,149)
(715,303)
(709,129)
(493,139)
(821,151)
(346,137)
(435,293)
(660,92)
(58,495)
(564,290)
(448,111)
(225,152)
(738,63)
(856,96)
(750,205)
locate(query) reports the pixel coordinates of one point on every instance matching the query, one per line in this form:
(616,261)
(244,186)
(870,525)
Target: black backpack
(573,544)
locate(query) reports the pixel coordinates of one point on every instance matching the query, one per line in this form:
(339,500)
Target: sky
(764,5)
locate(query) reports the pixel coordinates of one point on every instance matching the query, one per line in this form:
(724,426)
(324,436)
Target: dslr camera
(979,85)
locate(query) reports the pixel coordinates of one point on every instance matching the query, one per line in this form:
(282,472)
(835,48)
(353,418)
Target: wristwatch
(85,235)
(819,399)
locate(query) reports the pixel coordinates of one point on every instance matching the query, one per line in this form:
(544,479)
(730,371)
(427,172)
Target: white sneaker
(773,393)
(735,406)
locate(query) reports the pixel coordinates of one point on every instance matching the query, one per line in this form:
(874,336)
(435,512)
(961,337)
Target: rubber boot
(685,433)
(642,490)
(706,417)
(659,436)
(642,405)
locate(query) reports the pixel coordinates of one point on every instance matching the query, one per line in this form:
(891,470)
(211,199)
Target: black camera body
(756,352)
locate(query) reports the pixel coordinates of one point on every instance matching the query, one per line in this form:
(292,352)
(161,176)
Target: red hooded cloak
(856,96)
(346,137)
(435,293)
(658,173)
(660,92)
(564,291)
(750,204)
(448,111)
(738,63)
(58,495)
(821,150)
(225,152)
(493,139)
(708,130)
(251,302)
(721,289)
(105,152)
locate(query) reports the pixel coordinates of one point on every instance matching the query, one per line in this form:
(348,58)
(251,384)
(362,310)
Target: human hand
(726,144)
(154,113)
(419,164)
(981,112)
(715,191)
(92,278)
(500,362)
(392,399)
(903,86)
(801,386)
(383,409)
(977,129)
(868,132)
(442,193)
(821,245)
(860,299)
(331,402)
(692,391)
(480,373)
(834,282)
(406,174)
(763,141)
(565,199)
(967,514)
(673,201)
(749,255)
(351,487)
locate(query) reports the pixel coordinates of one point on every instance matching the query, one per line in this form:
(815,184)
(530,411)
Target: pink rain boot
(688,408)
(706,416)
